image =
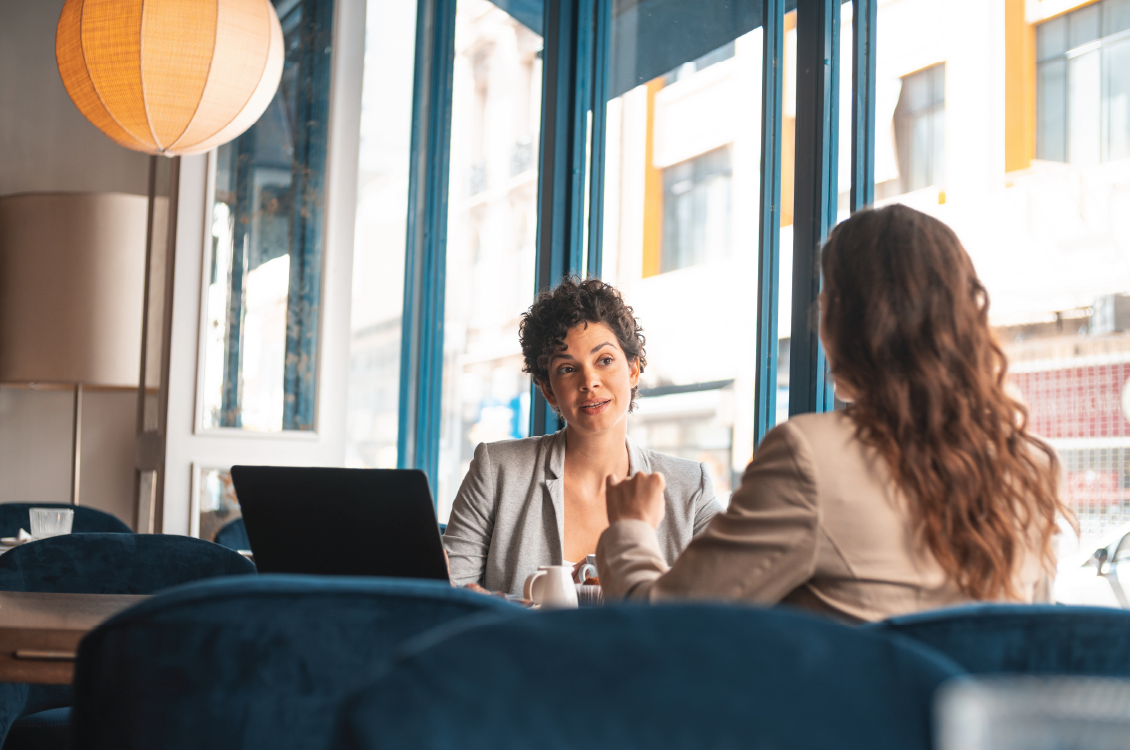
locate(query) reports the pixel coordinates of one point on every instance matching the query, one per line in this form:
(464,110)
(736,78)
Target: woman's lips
(595,407)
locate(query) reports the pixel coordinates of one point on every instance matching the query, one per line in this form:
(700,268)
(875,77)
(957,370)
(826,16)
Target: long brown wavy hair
(906,325)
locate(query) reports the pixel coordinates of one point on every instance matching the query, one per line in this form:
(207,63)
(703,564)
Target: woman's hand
(638,498)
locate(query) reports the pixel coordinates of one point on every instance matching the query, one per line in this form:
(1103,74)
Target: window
(696,210)
(920,128)
(264,285)
(679,150)
(650,176)
(1049,240)
(491,231)
(380,236)
(1083,84)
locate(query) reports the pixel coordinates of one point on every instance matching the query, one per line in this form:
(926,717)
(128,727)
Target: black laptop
(355,522)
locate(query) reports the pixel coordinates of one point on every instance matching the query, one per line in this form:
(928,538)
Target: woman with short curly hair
(540,500)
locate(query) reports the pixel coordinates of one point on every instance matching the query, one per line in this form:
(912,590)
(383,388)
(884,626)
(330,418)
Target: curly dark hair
(571,303)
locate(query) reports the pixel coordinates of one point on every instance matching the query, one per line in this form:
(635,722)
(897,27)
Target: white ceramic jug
(551,586)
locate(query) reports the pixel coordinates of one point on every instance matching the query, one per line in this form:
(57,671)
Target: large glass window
(1048,234)
(265,277)
(491,231)
(681,217)
(1083,84)
(682,175)
(379,245)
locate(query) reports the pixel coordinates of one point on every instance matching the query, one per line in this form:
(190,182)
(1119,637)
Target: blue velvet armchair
(260,662)
(35,716)
(626,677)
(233,535)
(1024,638)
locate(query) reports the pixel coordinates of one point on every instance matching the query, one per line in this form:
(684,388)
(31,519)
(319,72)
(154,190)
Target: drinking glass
(1034,713)
(47,522)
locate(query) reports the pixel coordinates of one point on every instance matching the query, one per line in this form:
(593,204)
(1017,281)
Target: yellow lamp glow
(170,77)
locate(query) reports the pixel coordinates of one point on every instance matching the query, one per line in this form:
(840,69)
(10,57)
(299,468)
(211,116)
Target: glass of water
(1034,713)
(51,521)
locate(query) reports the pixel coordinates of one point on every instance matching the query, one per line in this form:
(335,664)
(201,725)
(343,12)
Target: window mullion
(575,56)
(863,103)
(769,259)
(421,357)
(815,195)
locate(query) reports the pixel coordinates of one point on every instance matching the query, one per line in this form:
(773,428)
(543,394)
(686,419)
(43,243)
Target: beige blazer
(816,523)
(509,515)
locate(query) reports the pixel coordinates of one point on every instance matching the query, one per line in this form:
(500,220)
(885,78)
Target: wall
(47,145)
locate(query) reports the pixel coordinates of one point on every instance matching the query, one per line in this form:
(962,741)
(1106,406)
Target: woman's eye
(606,360)
(565,370)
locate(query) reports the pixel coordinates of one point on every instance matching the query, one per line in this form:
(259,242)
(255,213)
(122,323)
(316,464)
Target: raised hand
(639,497)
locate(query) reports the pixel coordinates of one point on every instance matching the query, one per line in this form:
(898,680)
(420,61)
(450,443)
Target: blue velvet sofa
(626,677)
(1024,638)
(36,716)
(261,662)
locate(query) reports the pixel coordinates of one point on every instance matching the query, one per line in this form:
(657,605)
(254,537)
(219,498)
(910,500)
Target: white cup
(587,570)
(552,586)
(47,522)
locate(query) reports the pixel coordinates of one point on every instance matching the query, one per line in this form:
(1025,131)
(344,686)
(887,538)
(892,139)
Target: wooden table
(39,633)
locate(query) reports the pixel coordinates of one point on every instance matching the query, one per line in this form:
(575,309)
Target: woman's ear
(547,391)
(634,371)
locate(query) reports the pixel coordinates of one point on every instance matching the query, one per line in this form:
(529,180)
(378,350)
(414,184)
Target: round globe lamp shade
(72,280)
(170,77)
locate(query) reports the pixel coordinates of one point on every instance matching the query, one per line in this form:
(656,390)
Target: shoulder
(674,467)
(821,434)
(518,450)
(808,440)
(827,423)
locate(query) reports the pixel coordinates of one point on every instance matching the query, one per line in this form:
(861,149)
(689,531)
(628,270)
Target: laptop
(352,522)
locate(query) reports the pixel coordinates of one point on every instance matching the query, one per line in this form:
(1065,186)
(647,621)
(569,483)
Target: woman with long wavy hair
(927,490)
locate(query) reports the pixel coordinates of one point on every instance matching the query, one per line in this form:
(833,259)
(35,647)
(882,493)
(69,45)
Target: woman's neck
(597,455)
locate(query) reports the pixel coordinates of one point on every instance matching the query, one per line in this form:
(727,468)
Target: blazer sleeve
(706,505)
(469,530)
(759,549)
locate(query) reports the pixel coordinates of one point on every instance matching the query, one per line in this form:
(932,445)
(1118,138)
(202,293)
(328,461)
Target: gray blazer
(509,515)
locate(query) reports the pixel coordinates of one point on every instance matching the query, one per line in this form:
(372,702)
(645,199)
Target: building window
(1083,84)
(696,210)
(920,128)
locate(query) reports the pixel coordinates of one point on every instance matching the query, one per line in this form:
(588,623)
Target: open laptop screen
(364,522)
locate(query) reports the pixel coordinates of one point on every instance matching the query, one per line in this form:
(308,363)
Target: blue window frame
(578,78)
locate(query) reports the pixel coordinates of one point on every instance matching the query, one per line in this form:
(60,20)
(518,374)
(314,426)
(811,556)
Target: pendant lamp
(170,77)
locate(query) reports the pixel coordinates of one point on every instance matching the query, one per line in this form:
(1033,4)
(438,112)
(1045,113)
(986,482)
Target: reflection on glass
(264,279)
(218,504)
(491,229)
(1048,235)
(378,251)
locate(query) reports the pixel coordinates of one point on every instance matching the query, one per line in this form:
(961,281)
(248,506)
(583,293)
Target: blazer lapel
(637,459)
(555,487)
